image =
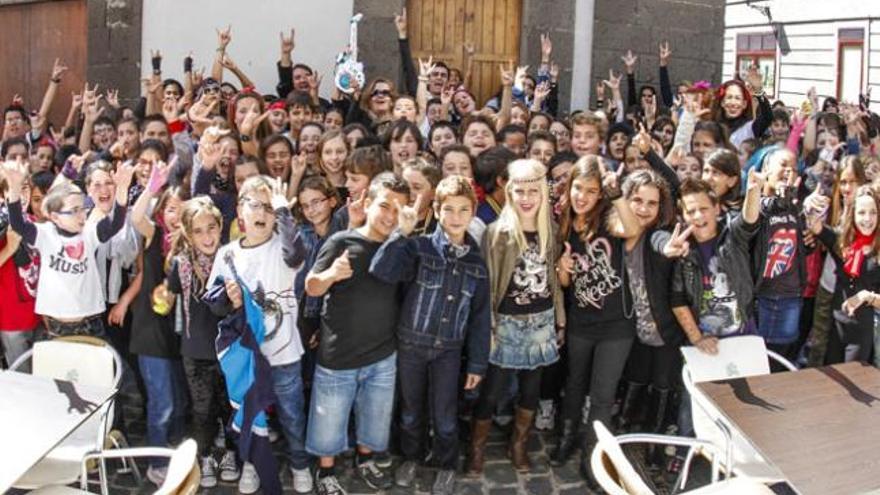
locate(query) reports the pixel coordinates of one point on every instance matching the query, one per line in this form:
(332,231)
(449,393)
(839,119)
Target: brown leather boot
(479,435)
(521,427)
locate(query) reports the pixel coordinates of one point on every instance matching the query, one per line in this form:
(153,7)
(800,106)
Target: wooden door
(37,33)
(442,27)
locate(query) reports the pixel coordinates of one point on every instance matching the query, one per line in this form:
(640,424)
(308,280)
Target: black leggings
(494,386)
(656,366)
(594,364)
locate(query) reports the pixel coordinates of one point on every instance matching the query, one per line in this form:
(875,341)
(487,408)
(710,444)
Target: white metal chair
(616,475)
(79,359)
(737,357)
(182,478)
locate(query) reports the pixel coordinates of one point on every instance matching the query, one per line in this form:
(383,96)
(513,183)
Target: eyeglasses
(255,204)
(381,92)
(75,211)
(313,204)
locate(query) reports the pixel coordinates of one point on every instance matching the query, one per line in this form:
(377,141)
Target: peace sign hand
(425,68)
(629,60)
(678,245)
(408,216)
(610,180)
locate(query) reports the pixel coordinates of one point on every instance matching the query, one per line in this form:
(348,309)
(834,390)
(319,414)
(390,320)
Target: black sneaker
(444,483)
(328,485)
(374,476)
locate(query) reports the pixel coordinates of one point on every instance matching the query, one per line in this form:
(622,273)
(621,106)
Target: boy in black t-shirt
(356,358)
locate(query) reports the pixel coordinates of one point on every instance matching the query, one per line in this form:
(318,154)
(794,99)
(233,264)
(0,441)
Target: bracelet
(423,79)
(56,80)
(244,138)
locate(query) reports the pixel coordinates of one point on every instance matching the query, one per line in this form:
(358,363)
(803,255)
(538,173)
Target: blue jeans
(370,389)
(429,377)
(288,387)
(779,319)
(166,400)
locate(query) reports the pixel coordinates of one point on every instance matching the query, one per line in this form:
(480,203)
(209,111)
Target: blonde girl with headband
(521,251)
(193,249)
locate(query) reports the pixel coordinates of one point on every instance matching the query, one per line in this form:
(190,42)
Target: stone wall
(557,18)
(114,46)
(694,29)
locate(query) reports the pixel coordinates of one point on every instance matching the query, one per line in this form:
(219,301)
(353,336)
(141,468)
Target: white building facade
(832,46)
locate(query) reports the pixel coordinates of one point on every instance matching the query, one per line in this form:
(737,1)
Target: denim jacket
(447,303)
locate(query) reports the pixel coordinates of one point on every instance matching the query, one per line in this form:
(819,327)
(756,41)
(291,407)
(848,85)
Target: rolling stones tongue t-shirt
(529,289)
(598,297)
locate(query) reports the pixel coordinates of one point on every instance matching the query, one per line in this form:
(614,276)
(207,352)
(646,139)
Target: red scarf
(852,263)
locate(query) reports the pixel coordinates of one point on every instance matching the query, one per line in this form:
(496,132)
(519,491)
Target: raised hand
(408,216)
(287,43)
(58,68)
(17,100)
(341,267)
(754,79)
(676,156)
(756,180)
(520,76)
(111,96)
(123,175)
(169,109)
(228,63)
(158,176)
(546,47)
(643,140)
(542,91)
(279,196)
(613,82)
(315,81)
(200,112)
(76,100)
(224,37)
(566,261)
(16,172)
(251,121)
(507,77)
(425,68)
(210,150)
(678,245)
(357,216)
(469,48)
(629,61)
(665,54)
(400,23)
(610,180)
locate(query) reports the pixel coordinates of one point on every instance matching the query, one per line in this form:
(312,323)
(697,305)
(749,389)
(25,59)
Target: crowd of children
(422,262)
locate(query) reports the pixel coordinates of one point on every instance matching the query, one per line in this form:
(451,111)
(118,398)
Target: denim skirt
(524,341)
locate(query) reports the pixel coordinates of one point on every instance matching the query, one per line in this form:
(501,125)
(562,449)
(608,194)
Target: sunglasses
(381,92)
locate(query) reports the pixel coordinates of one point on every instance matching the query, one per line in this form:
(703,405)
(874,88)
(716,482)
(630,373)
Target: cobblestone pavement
(499,477)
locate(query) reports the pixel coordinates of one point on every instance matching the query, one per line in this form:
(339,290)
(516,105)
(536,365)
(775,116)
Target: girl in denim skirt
(527,309)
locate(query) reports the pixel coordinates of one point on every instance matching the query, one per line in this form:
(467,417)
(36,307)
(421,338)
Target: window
(758,49)
(850,58)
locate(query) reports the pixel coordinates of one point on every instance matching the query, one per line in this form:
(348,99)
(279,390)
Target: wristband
(56,80)
(188,64)
(157,64)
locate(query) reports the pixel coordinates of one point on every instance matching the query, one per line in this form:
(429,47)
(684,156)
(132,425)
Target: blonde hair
(527,170)
(257,183)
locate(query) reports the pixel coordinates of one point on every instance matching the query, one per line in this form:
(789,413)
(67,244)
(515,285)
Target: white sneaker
(229,467)
(250,481)
(209,472)
(545,419)
(302,480)
(157,475)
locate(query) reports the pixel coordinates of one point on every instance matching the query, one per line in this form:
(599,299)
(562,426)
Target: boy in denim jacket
(446,309)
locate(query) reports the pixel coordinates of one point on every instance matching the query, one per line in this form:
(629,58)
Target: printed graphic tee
(720,315)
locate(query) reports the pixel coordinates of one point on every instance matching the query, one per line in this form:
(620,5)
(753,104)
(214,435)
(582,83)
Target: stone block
(541,485)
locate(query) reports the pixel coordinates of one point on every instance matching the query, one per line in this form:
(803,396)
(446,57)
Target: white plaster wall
(177,27)
(812,28)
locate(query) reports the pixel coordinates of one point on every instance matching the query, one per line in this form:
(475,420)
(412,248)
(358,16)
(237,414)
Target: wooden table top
(819,426)
(36,414)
